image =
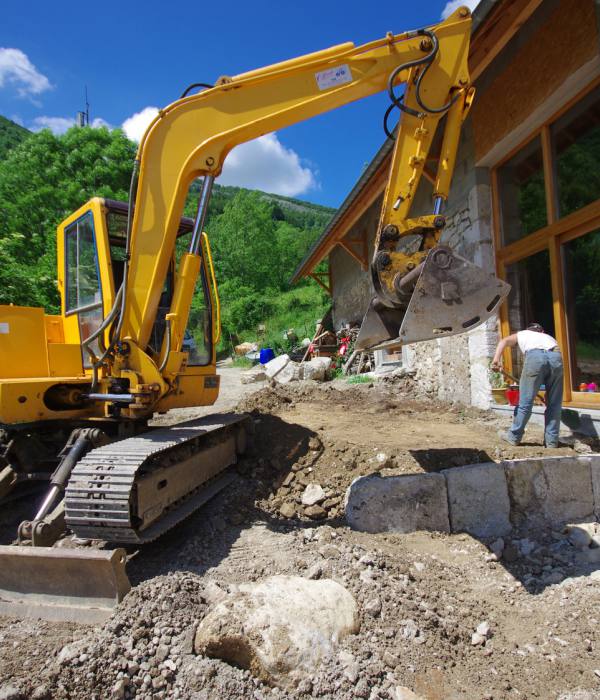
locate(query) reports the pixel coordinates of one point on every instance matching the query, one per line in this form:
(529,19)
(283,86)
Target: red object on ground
(513,396)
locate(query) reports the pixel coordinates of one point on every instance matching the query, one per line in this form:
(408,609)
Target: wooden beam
(498,29)
(362,261)
(317,278)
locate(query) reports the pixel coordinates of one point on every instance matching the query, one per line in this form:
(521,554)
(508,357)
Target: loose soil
(421,596)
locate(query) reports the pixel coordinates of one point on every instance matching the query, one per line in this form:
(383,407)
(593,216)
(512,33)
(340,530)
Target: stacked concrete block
(485,500)
(398,503)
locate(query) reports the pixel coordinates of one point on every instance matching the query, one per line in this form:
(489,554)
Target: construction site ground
(421,596)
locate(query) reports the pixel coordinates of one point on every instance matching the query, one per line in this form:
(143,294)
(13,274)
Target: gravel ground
(535,613)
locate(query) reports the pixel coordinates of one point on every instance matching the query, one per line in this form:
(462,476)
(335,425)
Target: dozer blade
(74,585)
(452,295)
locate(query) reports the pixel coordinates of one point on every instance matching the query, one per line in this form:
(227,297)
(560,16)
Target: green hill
(11,135)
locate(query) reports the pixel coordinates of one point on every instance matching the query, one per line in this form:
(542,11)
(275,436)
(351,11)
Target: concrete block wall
(485,500)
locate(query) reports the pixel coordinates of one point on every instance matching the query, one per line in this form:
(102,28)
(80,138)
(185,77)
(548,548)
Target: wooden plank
(549,176)
(316,278)
(559,312)
(363,262)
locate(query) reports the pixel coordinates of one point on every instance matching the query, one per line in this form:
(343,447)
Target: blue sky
(137,56)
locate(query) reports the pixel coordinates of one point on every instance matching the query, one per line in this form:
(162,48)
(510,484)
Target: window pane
(198,335)
(576,138)
(87,277)
(71,258)
(581,260)
(530,299)
(522,195)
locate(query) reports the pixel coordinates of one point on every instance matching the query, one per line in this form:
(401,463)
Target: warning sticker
(333,76)
(4,328)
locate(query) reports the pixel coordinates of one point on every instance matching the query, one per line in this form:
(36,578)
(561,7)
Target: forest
(257,239)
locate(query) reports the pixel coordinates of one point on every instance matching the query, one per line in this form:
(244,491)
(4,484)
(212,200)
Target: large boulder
(280,629)
(276,365)
(316,369)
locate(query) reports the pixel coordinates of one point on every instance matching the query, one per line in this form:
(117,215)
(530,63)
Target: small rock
(119,688)
(390,659)
(288,510)
(316,512)
(162,652)
(578,536)
(314,443)
(315,572)
(41,693)
(313,493)
(526,547)
(477,639)
(401,692)
(373,607)
(9,692)
(484,630)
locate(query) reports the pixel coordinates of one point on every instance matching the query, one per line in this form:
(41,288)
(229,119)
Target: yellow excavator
(77,389)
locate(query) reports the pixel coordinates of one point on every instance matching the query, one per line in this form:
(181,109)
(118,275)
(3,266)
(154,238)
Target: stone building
(525,199)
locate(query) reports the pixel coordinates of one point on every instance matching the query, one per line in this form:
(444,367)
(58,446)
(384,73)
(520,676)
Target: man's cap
(535,327)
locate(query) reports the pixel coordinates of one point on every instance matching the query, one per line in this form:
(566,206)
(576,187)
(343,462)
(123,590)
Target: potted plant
(499,387)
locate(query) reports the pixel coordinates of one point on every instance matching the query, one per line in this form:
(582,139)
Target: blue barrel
(266,355)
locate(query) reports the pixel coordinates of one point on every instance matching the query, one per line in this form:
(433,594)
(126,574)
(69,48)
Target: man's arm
(509,342)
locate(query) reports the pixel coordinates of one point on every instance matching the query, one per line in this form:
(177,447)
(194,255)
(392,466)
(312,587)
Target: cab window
(82,275)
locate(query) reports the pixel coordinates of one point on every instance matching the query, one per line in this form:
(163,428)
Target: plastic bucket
(266,355)
(513,396)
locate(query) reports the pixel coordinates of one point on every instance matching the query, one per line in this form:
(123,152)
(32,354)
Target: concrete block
(478,499)
(275,366)
(550,491)
(398,503)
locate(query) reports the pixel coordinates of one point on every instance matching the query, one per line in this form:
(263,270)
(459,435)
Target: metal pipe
(48,501)
(201,214)
(438,205)
(123,398)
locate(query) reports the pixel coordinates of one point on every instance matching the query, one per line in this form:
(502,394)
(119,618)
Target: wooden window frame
(557,232)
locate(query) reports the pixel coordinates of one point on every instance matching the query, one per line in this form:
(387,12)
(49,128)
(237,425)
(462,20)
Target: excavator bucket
(451,295)
(74,585)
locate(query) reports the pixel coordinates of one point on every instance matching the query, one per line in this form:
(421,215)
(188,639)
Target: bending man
(543,365)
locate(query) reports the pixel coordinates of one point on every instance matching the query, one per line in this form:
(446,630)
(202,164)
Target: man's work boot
(507,437)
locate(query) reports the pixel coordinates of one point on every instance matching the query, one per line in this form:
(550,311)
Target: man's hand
(496,365)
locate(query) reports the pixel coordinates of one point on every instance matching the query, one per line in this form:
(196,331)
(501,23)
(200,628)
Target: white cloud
(98,122)
(135,126)
(17,69)
(265,164)
(453,5)
(57,125)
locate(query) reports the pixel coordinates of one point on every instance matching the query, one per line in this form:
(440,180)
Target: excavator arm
(192,137)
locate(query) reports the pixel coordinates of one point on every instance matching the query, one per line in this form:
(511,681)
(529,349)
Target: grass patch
(360,379)
(242,362)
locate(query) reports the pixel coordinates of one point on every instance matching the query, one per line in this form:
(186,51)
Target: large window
(521,185)
(547,232)
(83,282)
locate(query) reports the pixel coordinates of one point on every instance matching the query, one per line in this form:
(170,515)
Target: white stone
(275,366)
(313,493)
(290,373)
(578,536)
(477,639)
(484,629)
(401,692)
(280,628)
(256,374)
(316,368)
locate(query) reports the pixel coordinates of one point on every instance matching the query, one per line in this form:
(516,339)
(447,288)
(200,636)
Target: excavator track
(134,490)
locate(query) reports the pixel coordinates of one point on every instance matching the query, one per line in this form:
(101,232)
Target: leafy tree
(42,181)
